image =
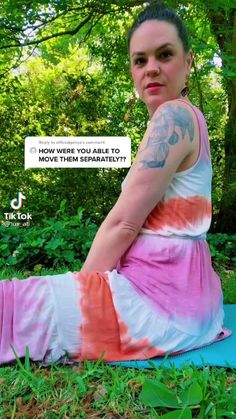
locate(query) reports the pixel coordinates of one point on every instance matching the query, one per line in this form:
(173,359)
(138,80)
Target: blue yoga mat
(220,354)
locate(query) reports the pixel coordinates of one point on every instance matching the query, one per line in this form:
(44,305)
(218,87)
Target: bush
(223,248)
(61,240)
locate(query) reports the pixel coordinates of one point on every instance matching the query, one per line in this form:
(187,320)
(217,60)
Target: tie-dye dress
(163,297)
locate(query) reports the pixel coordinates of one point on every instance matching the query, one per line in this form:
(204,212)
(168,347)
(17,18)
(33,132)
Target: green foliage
(223,248)
(60,240)
(156,394)
(192,397)
(66,99)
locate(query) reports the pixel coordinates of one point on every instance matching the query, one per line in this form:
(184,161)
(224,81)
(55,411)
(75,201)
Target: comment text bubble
(69,152)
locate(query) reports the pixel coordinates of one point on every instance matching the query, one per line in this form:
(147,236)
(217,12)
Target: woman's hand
(112,240)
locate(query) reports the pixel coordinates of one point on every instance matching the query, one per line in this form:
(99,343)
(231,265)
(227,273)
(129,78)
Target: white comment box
(68,152)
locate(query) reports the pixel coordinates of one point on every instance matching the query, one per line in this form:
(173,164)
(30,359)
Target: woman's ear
(189,59)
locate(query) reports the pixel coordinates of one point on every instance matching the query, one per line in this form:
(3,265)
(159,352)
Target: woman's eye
(139,61)
(166,54)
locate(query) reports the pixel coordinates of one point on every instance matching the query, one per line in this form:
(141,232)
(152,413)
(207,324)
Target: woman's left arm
(113,238)
(169,139)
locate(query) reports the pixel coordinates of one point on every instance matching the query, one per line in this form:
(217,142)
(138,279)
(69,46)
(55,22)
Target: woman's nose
(152,67)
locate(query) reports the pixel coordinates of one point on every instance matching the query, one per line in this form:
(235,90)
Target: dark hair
(158,11)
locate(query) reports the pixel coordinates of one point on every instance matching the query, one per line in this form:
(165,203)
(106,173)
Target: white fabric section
(66,300)
(145,323)
(208,333)
(136,312)
(165,232)
(191,182)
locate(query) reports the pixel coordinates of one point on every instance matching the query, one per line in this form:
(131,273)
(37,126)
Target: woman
(147,286)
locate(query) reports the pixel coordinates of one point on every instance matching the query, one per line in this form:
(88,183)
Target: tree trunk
(226,218)
(223,26)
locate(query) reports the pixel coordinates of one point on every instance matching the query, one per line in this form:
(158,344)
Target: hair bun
(158,3)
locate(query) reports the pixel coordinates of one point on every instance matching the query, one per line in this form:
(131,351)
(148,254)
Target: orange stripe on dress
(102,331)
(179,213)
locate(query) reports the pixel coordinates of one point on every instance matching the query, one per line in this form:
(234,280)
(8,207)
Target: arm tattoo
(172,123)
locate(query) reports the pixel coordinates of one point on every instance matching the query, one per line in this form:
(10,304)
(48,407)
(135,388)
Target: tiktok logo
(17,219)
(17,203)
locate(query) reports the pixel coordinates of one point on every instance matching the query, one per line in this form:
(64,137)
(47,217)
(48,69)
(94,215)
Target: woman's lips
(154,87)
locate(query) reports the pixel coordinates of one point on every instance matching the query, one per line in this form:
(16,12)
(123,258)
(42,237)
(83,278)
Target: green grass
(228,281)
(96,390)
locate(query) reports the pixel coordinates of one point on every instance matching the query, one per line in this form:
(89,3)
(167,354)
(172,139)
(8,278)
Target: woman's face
(159,65)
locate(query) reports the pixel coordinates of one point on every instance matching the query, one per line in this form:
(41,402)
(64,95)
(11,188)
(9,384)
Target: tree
(223,24)
(30,23)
